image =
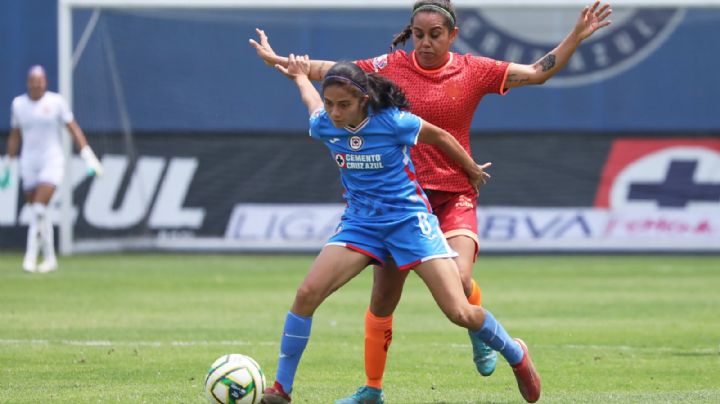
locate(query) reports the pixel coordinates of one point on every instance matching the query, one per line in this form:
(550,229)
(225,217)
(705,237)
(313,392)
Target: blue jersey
(374,161)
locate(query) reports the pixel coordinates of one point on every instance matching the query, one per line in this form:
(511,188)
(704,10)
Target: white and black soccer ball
(235,379)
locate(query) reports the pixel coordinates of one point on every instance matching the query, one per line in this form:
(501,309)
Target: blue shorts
(409,240)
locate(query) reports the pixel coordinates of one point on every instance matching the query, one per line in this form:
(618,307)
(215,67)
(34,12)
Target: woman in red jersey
(443,88)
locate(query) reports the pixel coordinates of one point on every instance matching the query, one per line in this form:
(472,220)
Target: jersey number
(424,223)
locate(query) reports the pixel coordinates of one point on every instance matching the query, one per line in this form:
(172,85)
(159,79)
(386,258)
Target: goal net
(205,147)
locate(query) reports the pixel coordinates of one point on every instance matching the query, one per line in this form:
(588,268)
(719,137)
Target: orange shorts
(456,212)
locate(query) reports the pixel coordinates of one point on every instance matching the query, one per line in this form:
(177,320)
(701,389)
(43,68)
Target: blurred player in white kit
(37,118)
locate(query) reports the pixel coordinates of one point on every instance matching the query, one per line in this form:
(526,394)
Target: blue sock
(292,344)
(493,334)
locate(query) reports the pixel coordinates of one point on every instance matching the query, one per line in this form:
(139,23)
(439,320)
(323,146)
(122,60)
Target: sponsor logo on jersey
(359,161)
(464,202)
(661,174)
(380,62)
(340,160)
(355,142)
(516,36)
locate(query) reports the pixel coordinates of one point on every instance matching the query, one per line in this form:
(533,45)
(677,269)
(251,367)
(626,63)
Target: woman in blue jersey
(360,119)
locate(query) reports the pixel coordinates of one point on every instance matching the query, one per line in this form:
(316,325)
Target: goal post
(83,30)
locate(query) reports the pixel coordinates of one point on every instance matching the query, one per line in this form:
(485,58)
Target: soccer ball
(235,379)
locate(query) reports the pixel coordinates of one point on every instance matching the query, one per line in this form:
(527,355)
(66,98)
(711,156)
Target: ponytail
(401,37)
(384,93)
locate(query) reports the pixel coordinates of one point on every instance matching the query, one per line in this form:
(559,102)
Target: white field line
(108,343)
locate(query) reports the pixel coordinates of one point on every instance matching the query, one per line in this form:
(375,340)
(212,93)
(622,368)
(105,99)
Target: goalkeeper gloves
(5,167)
(91,161)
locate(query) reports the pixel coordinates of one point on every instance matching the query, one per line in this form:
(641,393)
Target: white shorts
(35,171)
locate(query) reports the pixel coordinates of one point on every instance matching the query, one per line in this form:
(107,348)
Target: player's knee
(383,303)
(460,315)
(307,299)
(385,296)
(466,279)
(465,268)
(39,209)
(382,306)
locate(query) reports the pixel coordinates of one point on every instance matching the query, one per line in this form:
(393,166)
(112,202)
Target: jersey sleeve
(316,122)
(14,121)
(376,64)
(490,74)
(66,114)
(407,126)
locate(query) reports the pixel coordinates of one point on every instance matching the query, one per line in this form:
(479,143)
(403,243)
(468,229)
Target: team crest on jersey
(453,89)
(515,36)
(355,142)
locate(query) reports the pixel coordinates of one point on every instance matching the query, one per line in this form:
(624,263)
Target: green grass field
(145,328)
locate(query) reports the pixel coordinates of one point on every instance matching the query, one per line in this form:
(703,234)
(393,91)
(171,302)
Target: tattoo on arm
(319,72)
(324,69)
(319,68)
(547,63)
(517,79)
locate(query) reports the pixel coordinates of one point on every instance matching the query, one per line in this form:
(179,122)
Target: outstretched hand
(591,19)
(480,177)
(297,66)
(263,48)
(94,167)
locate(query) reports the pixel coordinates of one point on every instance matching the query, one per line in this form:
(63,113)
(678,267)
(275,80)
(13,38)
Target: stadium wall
(638,76)
(27,36)
(253,191)
(207,147)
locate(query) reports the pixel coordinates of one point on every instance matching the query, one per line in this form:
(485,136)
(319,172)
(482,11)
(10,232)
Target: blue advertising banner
(247,191)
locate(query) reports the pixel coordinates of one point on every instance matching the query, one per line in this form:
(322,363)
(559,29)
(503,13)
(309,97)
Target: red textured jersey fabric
(446,97)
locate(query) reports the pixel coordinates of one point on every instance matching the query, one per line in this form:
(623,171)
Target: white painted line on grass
(107,343)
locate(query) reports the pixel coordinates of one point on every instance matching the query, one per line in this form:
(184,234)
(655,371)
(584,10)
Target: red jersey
(446,97)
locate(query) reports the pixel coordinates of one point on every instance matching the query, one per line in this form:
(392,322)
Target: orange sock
(475,297)
(378,335)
